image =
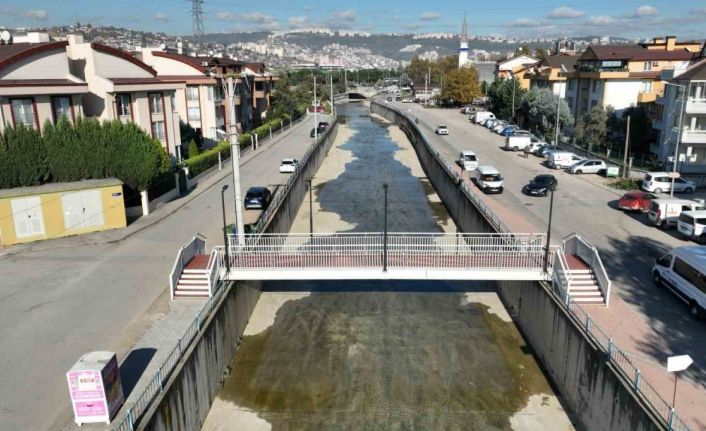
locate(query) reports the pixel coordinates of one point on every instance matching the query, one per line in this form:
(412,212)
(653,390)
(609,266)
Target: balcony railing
(695,106)
(693,136)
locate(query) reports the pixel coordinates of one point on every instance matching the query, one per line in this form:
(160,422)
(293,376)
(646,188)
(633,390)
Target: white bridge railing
(197,245)
(396,250)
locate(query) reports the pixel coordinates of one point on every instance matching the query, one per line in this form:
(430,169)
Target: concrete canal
(381,354)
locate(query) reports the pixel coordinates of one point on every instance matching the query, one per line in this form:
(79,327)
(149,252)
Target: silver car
(588,166)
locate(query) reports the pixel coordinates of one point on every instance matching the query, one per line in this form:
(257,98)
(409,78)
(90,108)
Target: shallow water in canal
(388,355)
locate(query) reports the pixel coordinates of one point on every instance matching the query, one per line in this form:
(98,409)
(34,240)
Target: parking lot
(643,319)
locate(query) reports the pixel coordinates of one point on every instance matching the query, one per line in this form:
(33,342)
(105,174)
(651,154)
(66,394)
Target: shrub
(207,159)
(626,184)
(193,149)
(24,158)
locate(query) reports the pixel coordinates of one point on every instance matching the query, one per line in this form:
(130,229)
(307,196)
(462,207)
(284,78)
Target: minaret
(463,48)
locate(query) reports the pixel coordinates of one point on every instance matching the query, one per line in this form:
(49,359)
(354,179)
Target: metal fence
(398,250)
(156,385)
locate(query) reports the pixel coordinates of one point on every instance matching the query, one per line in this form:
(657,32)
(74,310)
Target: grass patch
(626,184)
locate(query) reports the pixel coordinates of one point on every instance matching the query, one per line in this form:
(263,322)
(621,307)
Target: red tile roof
(697,72)
(122,54)
(634,52)
(143,81)
(40,83)
(194,62)
(13,53)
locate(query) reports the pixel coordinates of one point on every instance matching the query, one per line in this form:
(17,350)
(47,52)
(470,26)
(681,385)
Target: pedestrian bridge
(392,256)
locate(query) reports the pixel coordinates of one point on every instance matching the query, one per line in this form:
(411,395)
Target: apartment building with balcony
(122,87)
(547,73)
(36,85)
(622,76)
(196,102)
(684,104)
(515,67)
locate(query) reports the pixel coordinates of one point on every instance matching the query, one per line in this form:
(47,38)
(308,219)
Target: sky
(510,18)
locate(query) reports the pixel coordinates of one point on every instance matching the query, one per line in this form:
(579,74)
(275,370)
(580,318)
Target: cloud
(36,14)
(298,21)
(411,26)
(525,22)
(643,11)
(254,19)
(565,12)
(601,20)
(344,15)
(429,16)
(701,11)
(161,17)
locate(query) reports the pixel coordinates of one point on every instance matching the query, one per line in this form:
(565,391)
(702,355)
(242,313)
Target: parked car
(588,166)
(488,179)
(665,212)
(482,116)
(313,108)
(488,122)
(389,99)
(323,125)
(467,160)
(509,130)
(516,143)
(541,185)
(288,165)
(545,150)
(692,225)
(636,201)
(499,126)
(442,130)
(533,147)
(562,159)
(319,130)
(258,198)
(520,132)
(683,271)
(494,122)
(658,182)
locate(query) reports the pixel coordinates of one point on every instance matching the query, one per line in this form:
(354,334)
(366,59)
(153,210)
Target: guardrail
(156,385)
(562,275)
(575,244)
(197,245)
(397,250)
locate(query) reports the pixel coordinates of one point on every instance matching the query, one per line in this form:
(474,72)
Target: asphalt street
(56,305)
(627,243)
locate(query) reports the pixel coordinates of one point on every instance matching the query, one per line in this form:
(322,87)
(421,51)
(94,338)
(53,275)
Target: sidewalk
(203,183)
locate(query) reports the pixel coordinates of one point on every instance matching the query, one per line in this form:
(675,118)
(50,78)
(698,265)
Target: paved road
(58,304)
(627,244)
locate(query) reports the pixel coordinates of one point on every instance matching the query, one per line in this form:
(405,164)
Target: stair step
(583,283)
(192,282)
(195,271)
(583,276)
(191,294)
(585,293)
(194,276)
(588,300)
(581,288)
(580,271)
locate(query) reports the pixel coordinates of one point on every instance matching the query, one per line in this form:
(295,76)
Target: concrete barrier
(590,388)
(198,377)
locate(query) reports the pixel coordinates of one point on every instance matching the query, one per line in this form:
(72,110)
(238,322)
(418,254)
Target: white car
(589,166)
(659,182)
(442,130)
(288,166)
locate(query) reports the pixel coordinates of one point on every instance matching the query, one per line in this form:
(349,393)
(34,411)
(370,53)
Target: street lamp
(384,243)
(558,100)
(549,226)
(676,144)
(225,234)
(512,119)
(311,206)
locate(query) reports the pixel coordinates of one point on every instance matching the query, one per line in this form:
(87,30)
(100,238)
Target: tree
(461,86)
(500,94)
(24,159)
(539,105)
(523,50)
(540,53)
(283,100)
(193,149)
(591,129)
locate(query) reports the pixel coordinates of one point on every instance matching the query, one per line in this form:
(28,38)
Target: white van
(665,212)
(517,143)
(488,179)
(467,160)
(562,159)
(692,224)
(683,271)
(482,116)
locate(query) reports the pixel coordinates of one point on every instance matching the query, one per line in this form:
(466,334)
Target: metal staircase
(579,273)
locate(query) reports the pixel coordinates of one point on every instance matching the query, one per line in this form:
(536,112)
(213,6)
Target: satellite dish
(5,36)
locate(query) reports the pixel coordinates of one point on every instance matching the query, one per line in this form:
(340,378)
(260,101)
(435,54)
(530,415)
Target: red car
(635,201)
(318,109)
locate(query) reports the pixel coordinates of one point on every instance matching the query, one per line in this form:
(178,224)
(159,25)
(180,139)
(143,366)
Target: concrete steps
(193,283)
(584,287)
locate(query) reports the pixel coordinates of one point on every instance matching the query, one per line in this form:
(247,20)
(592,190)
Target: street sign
(678,363)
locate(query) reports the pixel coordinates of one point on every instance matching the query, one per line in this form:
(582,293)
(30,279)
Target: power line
(197,18)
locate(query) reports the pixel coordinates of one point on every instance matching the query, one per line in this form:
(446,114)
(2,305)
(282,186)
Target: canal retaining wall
(590,388)
(190,390)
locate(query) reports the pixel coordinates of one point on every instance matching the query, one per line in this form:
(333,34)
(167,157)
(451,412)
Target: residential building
(196,103)
(622,76)
(121,87)
(514,67)
(36,85)
(546,73)
(684,104)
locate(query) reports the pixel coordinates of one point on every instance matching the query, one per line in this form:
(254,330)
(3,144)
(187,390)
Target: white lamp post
(676,144)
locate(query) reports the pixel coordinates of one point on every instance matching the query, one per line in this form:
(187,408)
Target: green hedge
(87,150)
(206,159)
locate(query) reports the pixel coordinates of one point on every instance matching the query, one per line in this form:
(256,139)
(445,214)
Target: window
(690,274)
(62,108)
(23,112)
(210,94)
(570,84)
(155,103)
(647,65)
(647,87)
(158,131)
(194,114)
(192,93)
(665,260)
(594,103)
(217,93)
(612,64)
(122,105)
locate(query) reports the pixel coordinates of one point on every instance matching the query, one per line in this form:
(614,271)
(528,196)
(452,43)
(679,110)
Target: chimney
(671,42)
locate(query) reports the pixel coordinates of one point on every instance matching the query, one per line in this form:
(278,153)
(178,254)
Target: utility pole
(426,90)
(345,79)
(316,111)
(197,19)
(235,160)
(556,131)
(512,119)
(333,109)
(627,145)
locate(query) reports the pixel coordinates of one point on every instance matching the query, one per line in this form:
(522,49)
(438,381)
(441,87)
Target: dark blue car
(509,130)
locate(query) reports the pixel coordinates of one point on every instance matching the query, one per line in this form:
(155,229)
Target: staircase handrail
(212,269)
(196,245)
(576,244)
(564,271)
